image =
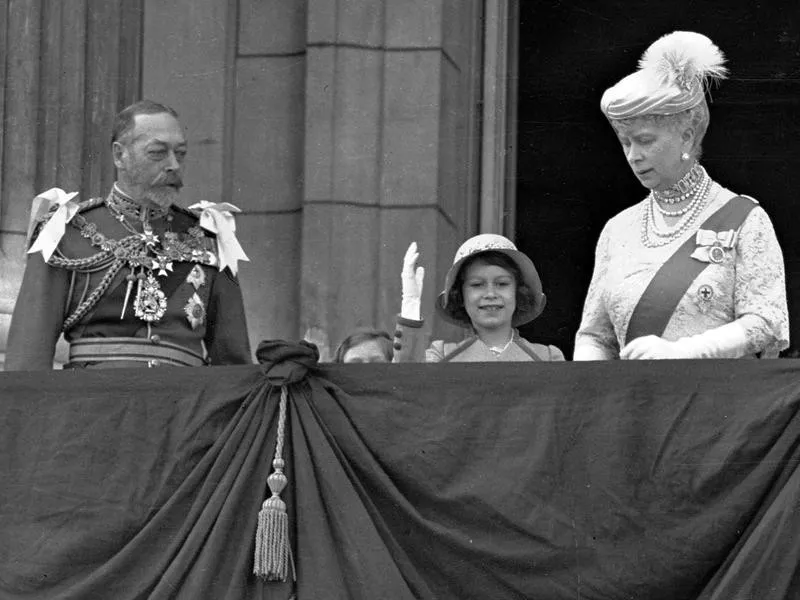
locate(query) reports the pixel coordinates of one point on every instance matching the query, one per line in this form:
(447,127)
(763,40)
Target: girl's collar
(498,350)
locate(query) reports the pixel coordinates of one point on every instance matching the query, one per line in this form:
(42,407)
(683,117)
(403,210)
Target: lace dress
(748,285)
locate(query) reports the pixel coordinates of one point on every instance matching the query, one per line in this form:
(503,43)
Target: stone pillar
(343,129)
(391,153)
(235,71)
(57,107)
(19,136)
(267,154)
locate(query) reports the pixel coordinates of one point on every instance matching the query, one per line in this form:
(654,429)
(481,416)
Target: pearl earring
(685,156)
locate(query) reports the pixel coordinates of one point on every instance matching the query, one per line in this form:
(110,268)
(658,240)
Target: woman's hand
(412,278)
(651,347)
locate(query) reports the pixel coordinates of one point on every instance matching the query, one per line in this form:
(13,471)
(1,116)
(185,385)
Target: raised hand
(412,279)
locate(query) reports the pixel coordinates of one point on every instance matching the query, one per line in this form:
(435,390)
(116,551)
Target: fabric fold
(659,480)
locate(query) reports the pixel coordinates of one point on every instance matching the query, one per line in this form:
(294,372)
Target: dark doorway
(572,176)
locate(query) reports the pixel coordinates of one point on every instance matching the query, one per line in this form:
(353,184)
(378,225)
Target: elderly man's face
(149,159)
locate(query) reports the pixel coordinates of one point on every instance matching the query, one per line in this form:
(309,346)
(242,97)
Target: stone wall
(343,129)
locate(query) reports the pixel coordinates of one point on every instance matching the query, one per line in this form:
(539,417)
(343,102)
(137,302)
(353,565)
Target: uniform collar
(121,203)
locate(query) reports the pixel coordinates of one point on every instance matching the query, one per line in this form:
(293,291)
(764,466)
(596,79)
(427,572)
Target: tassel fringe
(273,554)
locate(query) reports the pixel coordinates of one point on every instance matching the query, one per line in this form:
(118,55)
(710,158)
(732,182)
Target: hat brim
(530,278)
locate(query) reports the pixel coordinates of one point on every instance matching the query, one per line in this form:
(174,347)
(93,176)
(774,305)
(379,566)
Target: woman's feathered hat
(673,75)
(487,242)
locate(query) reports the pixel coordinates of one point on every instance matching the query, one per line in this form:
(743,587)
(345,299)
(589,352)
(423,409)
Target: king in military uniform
(132,279)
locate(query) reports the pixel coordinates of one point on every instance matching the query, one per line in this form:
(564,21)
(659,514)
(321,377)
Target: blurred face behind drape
(370,351)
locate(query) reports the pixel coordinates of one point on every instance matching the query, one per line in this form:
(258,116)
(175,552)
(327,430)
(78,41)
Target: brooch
(197,277)
(713,246)
(195,311)
(151,303)
(703,297)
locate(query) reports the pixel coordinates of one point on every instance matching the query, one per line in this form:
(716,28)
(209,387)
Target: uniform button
(398,346)
(398,333)
(155,338)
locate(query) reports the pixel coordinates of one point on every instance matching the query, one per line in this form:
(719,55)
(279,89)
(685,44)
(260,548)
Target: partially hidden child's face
(365,352)
(490,295)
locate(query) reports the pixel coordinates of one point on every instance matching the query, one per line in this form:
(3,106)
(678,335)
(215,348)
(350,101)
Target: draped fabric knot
(283,364)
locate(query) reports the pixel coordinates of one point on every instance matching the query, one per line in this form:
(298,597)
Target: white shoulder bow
(217,217)
(52,231)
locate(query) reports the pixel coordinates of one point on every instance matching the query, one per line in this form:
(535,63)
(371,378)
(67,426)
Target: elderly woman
(693,270)
(491,289)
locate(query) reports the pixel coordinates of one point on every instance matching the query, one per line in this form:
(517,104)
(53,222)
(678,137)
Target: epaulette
(39,221)
(190,213)
(193,219)
(83,206)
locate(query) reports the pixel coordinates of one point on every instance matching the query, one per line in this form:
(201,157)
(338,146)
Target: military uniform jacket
(87,291)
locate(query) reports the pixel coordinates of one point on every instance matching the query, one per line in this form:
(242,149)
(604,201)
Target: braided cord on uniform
(95,296)
(86,263)
(112,256)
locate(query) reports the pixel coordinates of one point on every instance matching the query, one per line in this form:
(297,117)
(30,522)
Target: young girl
(365,346)
(492,288)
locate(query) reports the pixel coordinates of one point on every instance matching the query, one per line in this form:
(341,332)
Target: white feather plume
(682,57)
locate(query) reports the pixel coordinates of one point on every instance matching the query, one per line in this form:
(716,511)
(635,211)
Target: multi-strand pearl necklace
(690,213)
(684,188)
(655,201)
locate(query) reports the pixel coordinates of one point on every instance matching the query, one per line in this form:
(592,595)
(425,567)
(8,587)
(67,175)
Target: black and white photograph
(275,277)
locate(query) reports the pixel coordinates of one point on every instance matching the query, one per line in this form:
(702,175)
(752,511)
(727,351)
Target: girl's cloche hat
(487,242)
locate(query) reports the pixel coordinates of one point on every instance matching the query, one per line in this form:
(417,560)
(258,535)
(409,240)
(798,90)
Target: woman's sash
(657,304)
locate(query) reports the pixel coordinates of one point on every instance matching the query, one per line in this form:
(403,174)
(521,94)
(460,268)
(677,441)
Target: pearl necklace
(672,213)
(656,202)
(684,188)
(648,219)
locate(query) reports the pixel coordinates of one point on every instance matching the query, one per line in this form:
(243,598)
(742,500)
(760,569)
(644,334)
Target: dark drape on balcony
(673,480)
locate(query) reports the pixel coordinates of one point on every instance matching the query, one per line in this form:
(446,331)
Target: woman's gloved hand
(412,278)
(725,341)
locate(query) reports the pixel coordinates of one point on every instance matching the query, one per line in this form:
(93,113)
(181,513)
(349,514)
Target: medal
(151,303)
(195,311)
(197,277)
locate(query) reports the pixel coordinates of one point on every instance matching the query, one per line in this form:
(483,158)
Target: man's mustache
(172,179)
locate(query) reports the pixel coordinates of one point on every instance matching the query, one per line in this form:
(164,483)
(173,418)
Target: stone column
(235,71)
(18,143)
(391,153)
(57,107)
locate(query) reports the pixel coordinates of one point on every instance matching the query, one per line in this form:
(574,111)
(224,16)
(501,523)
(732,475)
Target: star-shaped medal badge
(162,264)
(150,239)
(195,311)
(197,277)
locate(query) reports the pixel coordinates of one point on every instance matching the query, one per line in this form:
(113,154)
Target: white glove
(591,352)
(412,278)
(726,341)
